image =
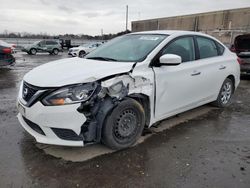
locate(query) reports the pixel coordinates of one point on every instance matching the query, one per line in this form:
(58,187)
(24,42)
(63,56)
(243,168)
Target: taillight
(240,61)
(7,50)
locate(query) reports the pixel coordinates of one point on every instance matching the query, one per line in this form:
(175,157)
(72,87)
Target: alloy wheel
(226,92)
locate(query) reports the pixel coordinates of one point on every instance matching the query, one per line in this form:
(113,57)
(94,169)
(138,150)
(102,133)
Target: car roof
(54,40)
(3,42)
(171,32)
(177,33)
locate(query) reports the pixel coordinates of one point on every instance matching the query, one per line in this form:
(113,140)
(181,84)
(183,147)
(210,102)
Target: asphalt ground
(205,147)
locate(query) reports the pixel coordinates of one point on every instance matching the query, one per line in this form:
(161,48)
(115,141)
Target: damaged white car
(124,86)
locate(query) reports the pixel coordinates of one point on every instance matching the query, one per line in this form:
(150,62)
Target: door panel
(214,73)
(41,46)
(214,65)
(177,87)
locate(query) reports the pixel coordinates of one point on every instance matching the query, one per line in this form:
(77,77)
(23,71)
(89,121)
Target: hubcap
(125,125)
(226,92)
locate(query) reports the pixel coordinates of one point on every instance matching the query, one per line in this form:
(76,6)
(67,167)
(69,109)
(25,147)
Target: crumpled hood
(74,70)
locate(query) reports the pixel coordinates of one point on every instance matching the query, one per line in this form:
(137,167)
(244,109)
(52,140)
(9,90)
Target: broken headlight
(70,94)
(116,88)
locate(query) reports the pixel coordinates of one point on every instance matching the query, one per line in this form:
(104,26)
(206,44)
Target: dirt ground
(207,147)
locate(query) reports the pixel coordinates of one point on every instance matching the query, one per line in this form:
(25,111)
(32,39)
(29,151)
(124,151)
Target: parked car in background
(6,58)
(43,46)
(5,44)
(130,83)
(84,49)
(242,49)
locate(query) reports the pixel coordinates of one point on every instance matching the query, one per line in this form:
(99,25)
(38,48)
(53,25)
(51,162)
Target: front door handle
(195,73)
(222,67)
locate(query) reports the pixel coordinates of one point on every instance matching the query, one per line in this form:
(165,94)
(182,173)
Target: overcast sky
(90,16)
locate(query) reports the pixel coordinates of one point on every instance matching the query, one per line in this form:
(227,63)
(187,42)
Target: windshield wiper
(102,58)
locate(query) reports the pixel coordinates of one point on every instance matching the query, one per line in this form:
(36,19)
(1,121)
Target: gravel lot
(207,147)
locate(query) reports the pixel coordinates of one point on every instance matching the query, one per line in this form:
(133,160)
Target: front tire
(33,51)
(124,125)
(55,51)
(225,94)
(82,54)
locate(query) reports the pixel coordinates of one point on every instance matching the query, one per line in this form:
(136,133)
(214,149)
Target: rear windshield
(242,43)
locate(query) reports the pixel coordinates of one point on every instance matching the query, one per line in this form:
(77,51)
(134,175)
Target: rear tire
(225,94)
(124,125)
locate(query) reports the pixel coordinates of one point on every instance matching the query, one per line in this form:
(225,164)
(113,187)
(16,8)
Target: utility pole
(102,33)
(126,17)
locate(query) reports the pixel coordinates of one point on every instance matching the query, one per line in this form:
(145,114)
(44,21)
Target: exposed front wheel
(124,125)
(55,51)
(33,51)
(225,94)
(82,54)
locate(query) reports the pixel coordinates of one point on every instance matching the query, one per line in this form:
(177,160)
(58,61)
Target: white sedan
(84,49)
(124,86)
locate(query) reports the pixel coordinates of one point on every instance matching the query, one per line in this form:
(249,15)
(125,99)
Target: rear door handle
(195,73)
(222,67)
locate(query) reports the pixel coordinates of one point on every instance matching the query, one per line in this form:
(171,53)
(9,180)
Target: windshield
(128,48)
(35,43)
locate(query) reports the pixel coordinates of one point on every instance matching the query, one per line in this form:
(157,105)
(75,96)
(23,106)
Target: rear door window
(221,48)
(207,47)
(51,43)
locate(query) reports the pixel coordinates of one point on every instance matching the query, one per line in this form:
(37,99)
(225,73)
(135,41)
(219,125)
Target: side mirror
(170,59)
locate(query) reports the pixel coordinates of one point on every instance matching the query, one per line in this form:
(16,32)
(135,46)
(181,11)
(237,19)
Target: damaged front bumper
(57,125)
